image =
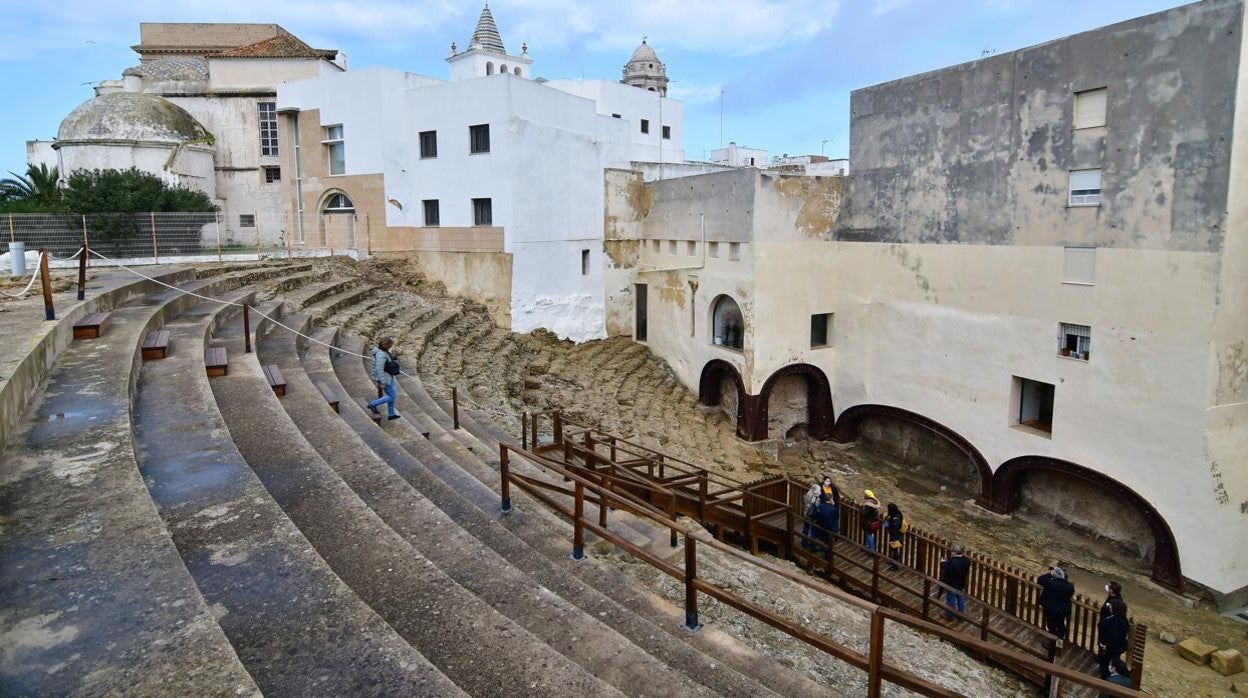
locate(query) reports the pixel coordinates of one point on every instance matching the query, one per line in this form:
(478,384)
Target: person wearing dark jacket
(828,518)
(1055,594)
(953,574)
(870,518)
(1119,674)
(1113,628)
(896,535)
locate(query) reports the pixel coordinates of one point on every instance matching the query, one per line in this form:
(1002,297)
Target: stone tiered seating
(156,345)
(277,382)
(92,326)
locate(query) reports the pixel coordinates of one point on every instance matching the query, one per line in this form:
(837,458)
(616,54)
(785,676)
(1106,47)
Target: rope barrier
(471,403)
(66,259)
(33,275)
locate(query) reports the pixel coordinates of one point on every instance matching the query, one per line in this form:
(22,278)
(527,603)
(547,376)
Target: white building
(492,180)
(739,156)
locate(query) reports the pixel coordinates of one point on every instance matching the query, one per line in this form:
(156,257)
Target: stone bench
(330,396)
(215,362)
(92,326)
(274,376)
(156,345)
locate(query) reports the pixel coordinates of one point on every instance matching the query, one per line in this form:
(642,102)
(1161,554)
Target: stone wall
(929,454)
(1086,508)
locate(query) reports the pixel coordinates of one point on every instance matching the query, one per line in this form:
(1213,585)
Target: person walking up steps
(1056,592)
(1113,628)
(385,375)
(810,505)
(870,514)
(953,574)
(897,526)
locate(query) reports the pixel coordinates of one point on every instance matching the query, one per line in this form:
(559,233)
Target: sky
(771,74)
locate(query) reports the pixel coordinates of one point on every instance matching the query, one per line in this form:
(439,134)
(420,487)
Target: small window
(272,175)
(268,128)
(820,329)
(640,302)
(671,247)
(667,132)
(489,68)
(502,70)
(433,215)
(734,251)
(480,137)
(616,116)
(1074,341)
(515,71)
(482,212)
(584,262)
(712,249)
(1090,108)
(727,323)
(337,149)
(428,144)
(339,203)
(247,220)
(1035,404)
(1079,265)
(691,248)
(654,244)
(1085,187)
(645,126)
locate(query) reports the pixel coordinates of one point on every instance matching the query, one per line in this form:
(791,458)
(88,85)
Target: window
(1079,265)
(247,220)
(1085,187)
(616,116)
(515,71)
(479,135)
(640,301)
(728,326)
(1090,108)
(338,203)
(482,212)
(1035,404)
(268,128)
(502,70)
(272,174)
(734,251)
(671,247)
(584,262)
(712,249)
(667,132)
(654,244)
(691,248)
(1074,341)
(820,329)
(432,214)
(428,144)
(645,126)
(489,67)
(337,149)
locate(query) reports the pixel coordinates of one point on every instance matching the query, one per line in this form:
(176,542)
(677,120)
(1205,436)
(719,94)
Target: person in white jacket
(386,381)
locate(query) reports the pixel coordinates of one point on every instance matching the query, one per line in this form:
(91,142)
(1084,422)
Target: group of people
(823,502)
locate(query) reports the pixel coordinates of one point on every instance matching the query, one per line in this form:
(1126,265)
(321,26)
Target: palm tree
(38,185)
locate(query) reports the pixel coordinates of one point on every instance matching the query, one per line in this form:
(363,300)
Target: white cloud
(694,94)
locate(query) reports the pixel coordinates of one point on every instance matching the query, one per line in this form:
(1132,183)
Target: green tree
(129,191)
(34,192)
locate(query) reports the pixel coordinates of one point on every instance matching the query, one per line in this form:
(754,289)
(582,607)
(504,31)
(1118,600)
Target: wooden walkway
(1001,601)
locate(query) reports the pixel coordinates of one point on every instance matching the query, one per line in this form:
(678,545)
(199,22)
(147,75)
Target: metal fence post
(505,471)
(155,250)
(49,313)
(691,589)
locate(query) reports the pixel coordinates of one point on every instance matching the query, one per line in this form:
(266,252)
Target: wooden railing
(993,584)
(600,490)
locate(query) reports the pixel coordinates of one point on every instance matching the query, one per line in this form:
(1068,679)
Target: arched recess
(727,323)
(819,415)
(710,390)
(489,67)
(1007,487)
(848,424)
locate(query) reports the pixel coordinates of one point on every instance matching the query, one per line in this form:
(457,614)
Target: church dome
(645,70)
(643,53)
(130,116)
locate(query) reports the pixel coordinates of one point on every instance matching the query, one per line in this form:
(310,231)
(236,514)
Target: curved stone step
(717,659)
(294,624)
(95,598)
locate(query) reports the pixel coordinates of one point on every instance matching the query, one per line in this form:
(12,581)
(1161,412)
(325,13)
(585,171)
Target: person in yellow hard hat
(870,514)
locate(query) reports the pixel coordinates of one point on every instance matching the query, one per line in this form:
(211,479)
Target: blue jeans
(955,601)
(392,393)
(871,541)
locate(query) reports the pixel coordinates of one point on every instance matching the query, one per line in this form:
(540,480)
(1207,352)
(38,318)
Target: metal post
(524,430)
(246,329)
(155,249)
(82,275)
(578,523)
(216,219)
(691,590)
(49,313)
(505,470)
(455,407)
(875,656)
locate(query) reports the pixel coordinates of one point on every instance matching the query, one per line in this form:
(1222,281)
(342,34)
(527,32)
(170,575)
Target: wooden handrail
(872,662)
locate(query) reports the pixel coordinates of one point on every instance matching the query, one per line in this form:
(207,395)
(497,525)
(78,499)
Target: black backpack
(392,365)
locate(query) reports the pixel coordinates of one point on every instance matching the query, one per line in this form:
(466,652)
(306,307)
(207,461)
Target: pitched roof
(284,45)
(486,34)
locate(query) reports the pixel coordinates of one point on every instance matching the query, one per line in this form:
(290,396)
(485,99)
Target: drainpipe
(693,307)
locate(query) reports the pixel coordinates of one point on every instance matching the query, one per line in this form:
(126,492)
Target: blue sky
(786,67)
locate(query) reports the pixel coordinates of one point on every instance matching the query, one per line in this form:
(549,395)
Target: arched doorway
(727,323)
(817,398)
(890,424)
(337,220)
(1012,477)
(716,374)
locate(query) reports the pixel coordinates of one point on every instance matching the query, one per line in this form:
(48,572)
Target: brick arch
(710,393)
(1007,484)
(850,420)
(819,414)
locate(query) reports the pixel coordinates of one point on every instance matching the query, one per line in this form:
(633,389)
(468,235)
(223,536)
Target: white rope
(65,259)
(33,275)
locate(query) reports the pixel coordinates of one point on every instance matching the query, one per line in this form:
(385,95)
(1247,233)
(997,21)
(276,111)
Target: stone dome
(645,70)
(130,116)
(643,53)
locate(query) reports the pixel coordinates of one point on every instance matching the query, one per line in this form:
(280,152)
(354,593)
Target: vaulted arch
(819,415)
(1007,487)
(710,390)
(850,421)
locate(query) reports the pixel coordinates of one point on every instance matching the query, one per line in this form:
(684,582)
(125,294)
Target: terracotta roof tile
(280,46)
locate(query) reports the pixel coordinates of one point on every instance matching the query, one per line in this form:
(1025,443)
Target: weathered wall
(980,152)
(479,276)
(929,454)
(1086,508)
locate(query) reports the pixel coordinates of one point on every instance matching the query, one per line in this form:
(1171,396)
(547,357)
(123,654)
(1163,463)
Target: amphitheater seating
(155,345)
(215,362)
(328,393)
(92,326)
(277,382)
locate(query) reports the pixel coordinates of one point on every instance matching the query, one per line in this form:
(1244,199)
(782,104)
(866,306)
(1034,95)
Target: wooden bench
(276,381)
(330,396)
(375,417)
(215,362)
(92,326)
(156,346)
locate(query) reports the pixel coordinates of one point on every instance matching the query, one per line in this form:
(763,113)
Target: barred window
(482,212)
(268,129)
(479,136)
(1074,341)
(433,216)
(428,144)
